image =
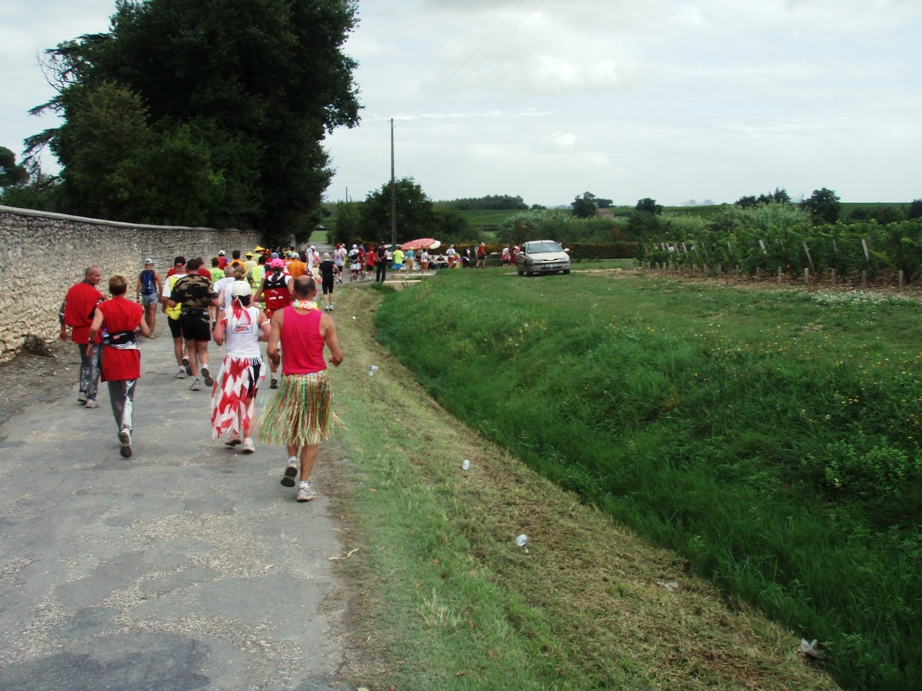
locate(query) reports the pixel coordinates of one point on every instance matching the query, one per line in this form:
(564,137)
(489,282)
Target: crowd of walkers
(260,296)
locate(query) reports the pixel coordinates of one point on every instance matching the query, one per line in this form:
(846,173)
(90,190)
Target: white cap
(148,261)
(241,288)
(221,253)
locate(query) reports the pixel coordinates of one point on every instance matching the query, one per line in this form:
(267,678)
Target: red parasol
(420,244)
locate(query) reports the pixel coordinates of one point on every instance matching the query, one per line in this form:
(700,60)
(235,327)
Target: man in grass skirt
(301,414)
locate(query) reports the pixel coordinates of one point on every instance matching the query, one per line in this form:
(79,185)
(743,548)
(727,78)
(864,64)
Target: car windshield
(539,247)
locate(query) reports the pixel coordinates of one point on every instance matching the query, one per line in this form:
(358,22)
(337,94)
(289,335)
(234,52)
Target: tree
(915,209)
(11,173)
(649,206)
(416,216)
(585,206)
(347,224)
(257,85)
(823,205)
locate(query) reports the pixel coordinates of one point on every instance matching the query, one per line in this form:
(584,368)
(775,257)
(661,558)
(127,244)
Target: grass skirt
(300,413)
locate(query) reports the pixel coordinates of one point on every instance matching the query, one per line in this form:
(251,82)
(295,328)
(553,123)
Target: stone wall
(43,254)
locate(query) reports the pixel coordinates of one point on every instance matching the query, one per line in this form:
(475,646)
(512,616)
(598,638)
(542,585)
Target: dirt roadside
(28,378)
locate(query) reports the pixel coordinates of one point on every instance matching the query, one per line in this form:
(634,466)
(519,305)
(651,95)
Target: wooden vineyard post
(806,277)
(779,274)
(864,279)
(901,280)
(833,277)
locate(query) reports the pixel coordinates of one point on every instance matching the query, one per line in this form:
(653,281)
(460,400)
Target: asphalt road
(186,566)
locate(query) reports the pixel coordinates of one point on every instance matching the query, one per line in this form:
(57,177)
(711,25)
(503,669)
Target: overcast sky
(547,99)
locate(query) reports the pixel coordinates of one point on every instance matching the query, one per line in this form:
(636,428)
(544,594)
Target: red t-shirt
(119,314)
(79,306)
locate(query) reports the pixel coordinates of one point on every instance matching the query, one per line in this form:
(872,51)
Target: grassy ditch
(449,601)
(770,438)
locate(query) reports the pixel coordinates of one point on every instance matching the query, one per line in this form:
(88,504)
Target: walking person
(194,293)
(301,414)
(77,312)
(424,260)
(380,262)
(121,359)
(233,399)
(482,255)
(148,293)
(173,313)
(328,275)
(275,290)
(355,263)
(369,261)
(339,258)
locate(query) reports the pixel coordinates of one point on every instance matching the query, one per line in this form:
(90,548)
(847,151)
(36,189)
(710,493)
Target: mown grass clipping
(770,438)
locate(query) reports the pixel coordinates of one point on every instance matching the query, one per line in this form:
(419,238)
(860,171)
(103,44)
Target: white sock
(304,485)
(292,459)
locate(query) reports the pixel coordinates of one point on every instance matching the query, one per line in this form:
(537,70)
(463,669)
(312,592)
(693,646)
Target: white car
(542,257)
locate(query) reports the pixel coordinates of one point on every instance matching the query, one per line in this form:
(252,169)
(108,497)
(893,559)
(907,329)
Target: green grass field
(771,438)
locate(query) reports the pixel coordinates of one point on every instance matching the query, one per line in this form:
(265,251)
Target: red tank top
(302,344)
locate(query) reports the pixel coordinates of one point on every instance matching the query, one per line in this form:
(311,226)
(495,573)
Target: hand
(63,335)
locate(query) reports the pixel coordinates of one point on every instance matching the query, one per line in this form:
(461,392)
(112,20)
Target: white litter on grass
(810,649)
(671,586)
(353,317)
(465,464)
(522,540)
(371,370)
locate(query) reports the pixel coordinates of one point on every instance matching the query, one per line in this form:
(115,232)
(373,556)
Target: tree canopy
(194,112)
(823,205)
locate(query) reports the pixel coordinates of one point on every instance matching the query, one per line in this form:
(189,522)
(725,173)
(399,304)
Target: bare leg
(190,354)
(178,350)
(151,317)
(308,456)
(201,348)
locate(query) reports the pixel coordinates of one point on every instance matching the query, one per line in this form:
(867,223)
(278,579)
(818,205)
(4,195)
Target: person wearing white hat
(233,398)
(148,291)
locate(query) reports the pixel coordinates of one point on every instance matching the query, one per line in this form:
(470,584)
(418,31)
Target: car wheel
(519,271)
(566,271)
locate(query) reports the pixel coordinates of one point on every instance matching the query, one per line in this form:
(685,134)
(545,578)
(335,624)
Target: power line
(469,58)
(488,56)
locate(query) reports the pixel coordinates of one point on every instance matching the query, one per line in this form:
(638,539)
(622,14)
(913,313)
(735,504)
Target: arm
(145,329)
(257,297)
(275,333)
(291,285)
(219,329)
(264,326)
(94,330)
(63,334)
(329,335)
(137,289)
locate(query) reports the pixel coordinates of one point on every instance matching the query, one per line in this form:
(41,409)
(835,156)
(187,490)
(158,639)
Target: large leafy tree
(824,206)
(416,216)
(244,91)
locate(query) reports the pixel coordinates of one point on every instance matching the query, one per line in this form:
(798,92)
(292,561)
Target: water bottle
(371,370)
(522,540)
(465,464)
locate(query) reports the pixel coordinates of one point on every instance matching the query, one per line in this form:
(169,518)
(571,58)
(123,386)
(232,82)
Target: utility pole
(393,193)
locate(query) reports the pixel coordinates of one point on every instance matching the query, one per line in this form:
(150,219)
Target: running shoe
(125,438)
(92,404)
(181,374)
(206,375)
(185,363)
(291,472)
(248,445)
(274,384)
(232,442)
(82,397)
(306,492)
(196,385)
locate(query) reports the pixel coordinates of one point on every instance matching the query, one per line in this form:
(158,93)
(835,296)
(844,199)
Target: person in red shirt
(77,311)
(276,291)
(121,363)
